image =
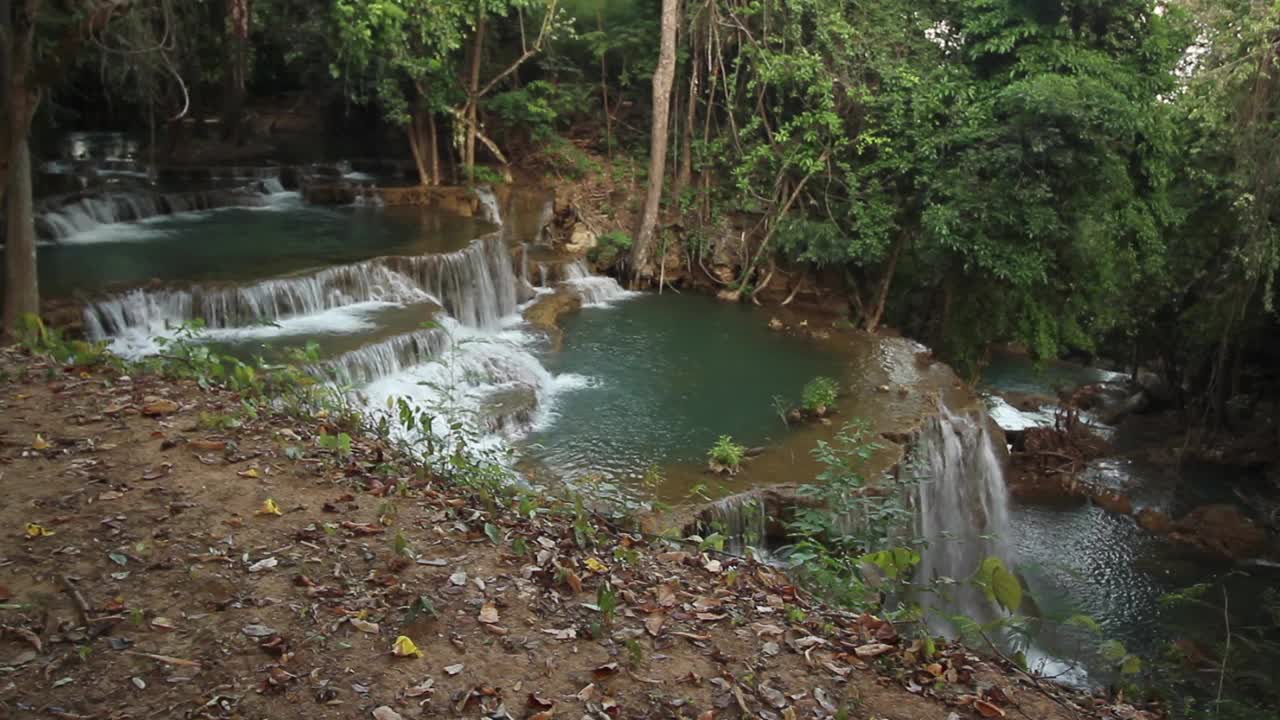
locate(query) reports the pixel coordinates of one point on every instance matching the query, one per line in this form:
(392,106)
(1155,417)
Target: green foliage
(611,247)
(819,394)
(727,454)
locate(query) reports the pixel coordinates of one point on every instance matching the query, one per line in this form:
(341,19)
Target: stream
(403,301)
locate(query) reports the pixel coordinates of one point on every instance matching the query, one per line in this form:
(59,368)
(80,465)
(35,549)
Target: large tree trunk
(473,92)
(237,70)
(642,253)
(21,291)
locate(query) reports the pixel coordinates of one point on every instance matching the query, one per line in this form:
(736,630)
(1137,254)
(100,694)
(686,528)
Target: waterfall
(382,359)
(742,520)
(489,209)
(962,512)
(475,285)
(74,221)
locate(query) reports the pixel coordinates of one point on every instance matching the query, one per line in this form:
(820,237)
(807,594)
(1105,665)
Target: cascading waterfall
(475,285)
(382,359)
(962,514)
(86,214)
(743,521)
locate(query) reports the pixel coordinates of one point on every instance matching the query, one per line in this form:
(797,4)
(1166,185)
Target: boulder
(581,240)
(1153,520)
(1223,530)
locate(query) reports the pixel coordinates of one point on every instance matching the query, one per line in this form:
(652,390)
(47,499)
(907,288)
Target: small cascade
(386,358)
(962,512)
(492,379)
(489,209)
(80,217)
(742,520)
(595,290)
(475,285)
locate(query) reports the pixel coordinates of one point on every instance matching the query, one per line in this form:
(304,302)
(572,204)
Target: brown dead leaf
(654,623)
(215,445)
(604,671)
(536,700)
(160,407)
(666,594)
(987,710)
(873,650)
(488,614)
(573,581)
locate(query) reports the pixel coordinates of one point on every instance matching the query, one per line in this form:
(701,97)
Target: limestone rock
(581,239)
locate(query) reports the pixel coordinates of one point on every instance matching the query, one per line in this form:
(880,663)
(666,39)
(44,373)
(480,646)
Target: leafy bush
(727,454)
(610,247)
(819,394)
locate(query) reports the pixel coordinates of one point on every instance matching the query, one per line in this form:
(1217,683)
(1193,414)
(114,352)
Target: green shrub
(611,246)
(727,454)
(819,394)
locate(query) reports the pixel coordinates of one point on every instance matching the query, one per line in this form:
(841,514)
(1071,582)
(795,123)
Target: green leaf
(1084,621)
(1113,650)
(493,533)
(1007,589)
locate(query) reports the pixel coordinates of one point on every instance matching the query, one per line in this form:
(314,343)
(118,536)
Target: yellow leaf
(269,507)
(596,566)
(40,443)
(404,647)
(250,473)
(35,531)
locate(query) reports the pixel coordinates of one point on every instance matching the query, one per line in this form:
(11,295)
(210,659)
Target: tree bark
(642,254)
(434,147)
(875,313)
(473,92)
(415,145)
(237,69)
(21,288)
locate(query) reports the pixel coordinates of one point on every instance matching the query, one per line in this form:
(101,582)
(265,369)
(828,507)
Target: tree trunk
(684,178)
(875,312)
(642,254)
(418,144)
(434,145)
(237,69)
(473,92)
(604,88)
(21,289)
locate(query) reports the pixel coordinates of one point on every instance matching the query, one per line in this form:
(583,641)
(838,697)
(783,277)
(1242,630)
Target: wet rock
(1223,530)
(1153,520)
(509,407)
(1028,402)
(1113,501)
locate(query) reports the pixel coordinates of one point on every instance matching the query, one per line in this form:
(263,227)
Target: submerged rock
(1223,530)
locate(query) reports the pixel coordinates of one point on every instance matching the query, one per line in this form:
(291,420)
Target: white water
(99,217)
(475,285)
(962,514)
(489,210)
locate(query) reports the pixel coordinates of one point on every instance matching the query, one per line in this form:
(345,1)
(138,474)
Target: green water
(239,244)
(668,375)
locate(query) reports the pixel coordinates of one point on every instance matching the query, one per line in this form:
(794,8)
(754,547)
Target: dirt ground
(144,573)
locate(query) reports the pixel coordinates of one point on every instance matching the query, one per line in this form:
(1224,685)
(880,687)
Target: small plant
(610,248)
(340,443)
(726,456)
(819,395)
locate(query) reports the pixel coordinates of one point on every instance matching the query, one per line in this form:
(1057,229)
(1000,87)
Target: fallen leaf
(35,530)
(873,650)
(110,495)
(214,445)
(265,564)
(536,700)
(596,566)
(40,443)
(160,407)
(605,670)
(588,693)
(712,566)
(404,647)
(258,631)
(654,623)
(382,712)
(488,614)
(269,507)
(666,594)
(163,623)
(454,669)
(365,626)
(250,473)
(987,710)
(426,687)
(565,634)
(573,581)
